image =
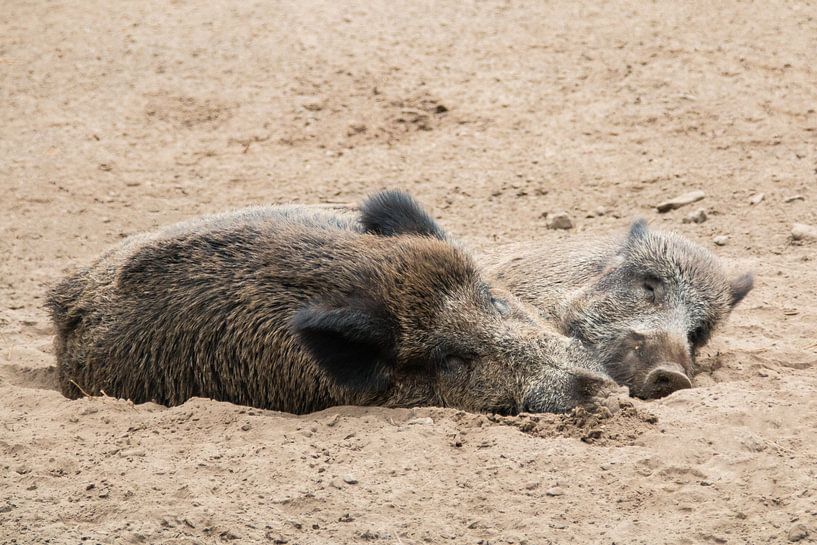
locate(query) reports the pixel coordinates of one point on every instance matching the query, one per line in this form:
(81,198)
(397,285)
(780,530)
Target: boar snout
(652,364)
(665,379)
(565,388)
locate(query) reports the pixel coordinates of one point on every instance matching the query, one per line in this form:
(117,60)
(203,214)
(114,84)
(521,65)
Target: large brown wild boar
(297,309)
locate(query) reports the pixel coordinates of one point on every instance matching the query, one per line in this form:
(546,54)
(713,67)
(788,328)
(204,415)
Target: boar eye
(500,305)
(698,337)
(651,286)
(454,362)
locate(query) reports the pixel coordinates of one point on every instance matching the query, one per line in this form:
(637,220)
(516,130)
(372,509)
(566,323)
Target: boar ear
(638,230)
(391,213)
(741,286)
(353,344)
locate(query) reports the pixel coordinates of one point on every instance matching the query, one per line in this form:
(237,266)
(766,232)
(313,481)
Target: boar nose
(665,379)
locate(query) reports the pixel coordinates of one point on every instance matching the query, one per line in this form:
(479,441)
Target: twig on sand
(86,394)
(397,537)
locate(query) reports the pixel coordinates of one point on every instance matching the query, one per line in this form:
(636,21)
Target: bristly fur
(297,309)
(603,290)
(391,213)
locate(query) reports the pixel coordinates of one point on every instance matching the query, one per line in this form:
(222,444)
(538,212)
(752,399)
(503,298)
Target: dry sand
(118,117)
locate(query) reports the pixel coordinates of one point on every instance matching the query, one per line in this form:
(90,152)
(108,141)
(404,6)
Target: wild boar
(298,309)
(644,303)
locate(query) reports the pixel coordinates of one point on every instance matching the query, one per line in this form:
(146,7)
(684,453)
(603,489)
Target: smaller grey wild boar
(298,309)
(644,303)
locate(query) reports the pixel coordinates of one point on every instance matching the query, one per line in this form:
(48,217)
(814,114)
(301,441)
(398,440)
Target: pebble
(356,128)
(349,479)
(555,491)
(559,220)
(313,104)
(757,199)
(132,453)
(680,200)
(699,216)
(425,421)
(798,532)
(246,427)
(334,420)
(801,231)
(721,240)
(794,198)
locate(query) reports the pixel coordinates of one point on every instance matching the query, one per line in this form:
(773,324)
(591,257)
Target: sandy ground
(118,117)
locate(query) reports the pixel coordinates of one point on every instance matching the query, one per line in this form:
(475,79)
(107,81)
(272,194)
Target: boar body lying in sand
(298,309)
(643,303)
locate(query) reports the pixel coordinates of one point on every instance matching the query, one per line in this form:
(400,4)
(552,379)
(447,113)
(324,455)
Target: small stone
(680,200)
(313,104)
(559,221)
(757,199)
(798,532)
(356,128)
(104,493)
(246,427)
(349,479)
(699,216)
(336,483)
(425,421)
(131,453)
(554,492)
(801,231)
(794,198)
(600,210)
(721,240)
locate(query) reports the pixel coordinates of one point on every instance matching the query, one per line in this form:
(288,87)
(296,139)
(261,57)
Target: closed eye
(455,362)
(501,306)
(651,287)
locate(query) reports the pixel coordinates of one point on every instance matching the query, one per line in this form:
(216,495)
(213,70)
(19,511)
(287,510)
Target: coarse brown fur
(298,309)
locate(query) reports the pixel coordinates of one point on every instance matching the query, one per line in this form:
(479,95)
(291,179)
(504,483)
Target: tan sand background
(116,117)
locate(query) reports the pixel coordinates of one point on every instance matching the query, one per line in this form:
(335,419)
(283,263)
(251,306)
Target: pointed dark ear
(638,230)
(351,341)
(391,213)
(741,286)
